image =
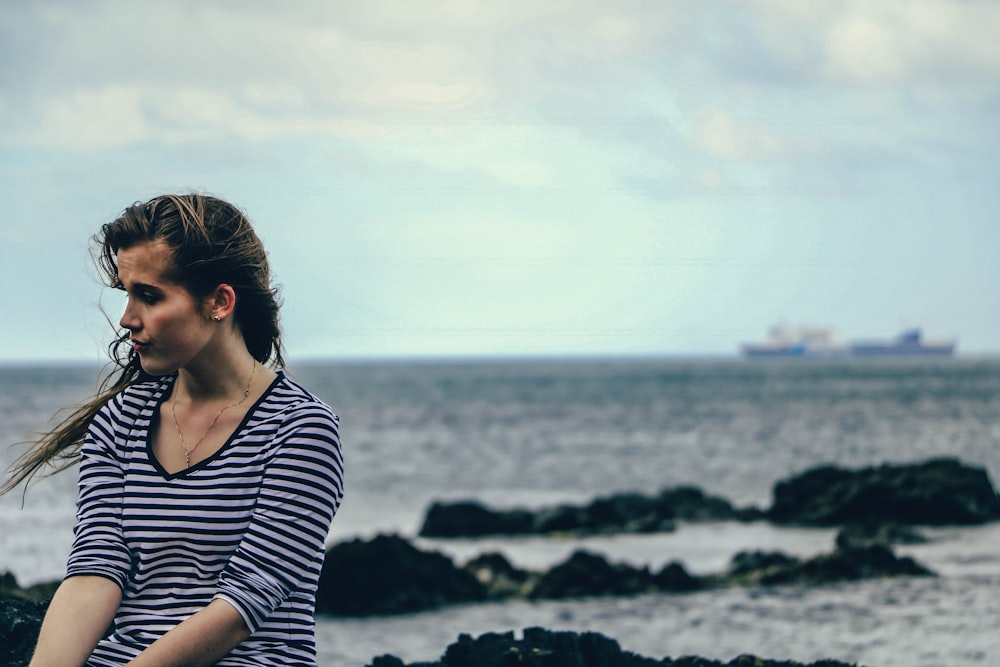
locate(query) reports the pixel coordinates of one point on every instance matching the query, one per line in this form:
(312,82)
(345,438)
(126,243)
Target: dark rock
(41,592)
(540,648)
(630,513)
(617,513)
(560,519)
(388,575)
(499,576)
(586,574)
(468,518)
(753,564)
(852,564)
(545,648)
(870,534)
(674,578)
(848,564)
(937,492)
(8,583)
(20,621)
(690,503)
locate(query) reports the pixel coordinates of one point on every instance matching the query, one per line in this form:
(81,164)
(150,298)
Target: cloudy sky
(519,177)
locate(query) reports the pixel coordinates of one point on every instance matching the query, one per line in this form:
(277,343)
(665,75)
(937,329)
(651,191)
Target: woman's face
(169,328)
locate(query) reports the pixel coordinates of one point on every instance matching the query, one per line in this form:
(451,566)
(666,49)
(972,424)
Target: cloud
(894,42)
(115,73)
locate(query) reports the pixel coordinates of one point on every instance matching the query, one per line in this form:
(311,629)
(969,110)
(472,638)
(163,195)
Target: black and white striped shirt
(247,525)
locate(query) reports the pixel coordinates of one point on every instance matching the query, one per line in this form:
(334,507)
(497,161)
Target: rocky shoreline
(875,508)
(941,491)
(539,647)
(389,575)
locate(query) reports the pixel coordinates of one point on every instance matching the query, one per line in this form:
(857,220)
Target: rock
(689,503)
(750,566)
(937,492)
(388,575)
(41,592)
(617,513)
(586,574)
(468,518)
(499,576)
(20,621)
(870,534)
(544,648)
(850,564)
(560,519)
(540,648)
(674,578)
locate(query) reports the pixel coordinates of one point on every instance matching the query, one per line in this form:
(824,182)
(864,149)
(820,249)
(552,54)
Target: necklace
(173,412)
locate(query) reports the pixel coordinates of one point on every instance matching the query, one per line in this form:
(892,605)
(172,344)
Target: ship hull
(819,343)
(877,350)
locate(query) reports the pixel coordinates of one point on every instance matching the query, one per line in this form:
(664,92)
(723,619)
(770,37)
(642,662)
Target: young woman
(208,479)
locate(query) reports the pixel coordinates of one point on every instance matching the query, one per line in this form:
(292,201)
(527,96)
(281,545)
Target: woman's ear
(222,302)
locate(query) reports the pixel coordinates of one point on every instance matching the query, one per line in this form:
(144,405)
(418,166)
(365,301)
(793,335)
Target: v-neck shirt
(248,524)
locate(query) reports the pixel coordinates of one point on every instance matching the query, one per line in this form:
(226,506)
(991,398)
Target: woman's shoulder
(139,394)
(145,390)
(292,397)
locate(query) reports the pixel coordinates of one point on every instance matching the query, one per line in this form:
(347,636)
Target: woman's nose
(128,319)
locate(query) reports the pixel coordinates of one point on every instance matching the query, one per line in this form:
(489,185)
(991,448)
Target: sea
(536,432)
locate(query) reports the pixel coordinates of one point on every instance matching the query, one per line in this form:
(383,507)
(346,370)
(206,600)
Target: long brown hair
(211,243)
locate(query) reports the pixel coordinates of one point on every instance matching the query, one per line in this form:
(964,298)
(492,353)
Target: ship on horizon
(822,343)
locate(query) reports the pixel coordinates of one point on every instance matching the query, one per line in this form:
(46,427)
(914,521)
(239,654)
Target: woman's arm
(203,639)
(79,614)
(86,601)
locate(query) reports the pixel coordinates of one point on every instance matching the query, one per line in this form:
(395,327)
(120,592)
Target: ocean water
(536,432)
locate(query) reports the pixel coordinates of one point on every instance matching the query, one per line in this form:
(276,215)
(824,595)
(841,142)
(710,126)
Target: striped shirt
(247,525)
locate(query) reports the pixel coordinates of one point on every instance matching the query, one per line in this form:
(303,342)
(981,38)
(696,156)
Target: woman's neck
(223,373)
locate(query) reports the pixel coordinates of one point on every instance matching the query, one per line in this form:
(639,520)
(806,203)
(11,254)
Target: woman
(207,480)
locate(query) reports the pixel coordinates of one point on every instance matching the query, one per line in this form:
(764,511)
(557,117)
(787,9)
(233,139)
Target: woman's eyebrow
(136,287)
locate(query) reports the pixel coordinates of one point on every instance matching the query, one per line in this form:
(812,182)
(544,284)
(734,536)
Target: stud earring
(216,318)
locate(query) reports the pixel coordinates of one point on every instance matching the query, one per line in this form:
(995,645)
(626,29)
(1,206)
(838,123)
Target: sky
(518,178)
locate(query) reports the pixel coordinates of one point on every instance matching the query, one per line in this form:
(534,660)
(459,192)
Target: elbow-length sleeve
(99,548)
(283,548)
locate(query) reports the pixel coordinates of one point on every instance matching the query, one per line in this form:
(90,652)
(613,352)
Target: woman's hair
(211,243)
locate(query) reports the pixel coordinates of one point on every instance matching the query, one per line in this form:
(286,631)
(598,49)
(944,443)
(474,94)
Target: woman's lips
(139,346)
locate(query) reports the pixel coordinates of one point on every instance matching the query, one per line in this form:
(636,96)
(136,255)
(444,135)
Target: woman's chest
(201,505)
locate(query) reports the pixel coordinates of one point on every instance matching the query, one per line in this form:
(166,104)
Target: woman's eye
(148,298)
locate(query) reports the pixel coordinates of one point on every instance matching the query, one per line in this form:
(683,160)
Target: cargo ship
(822,342)
(910,342)
(798,341)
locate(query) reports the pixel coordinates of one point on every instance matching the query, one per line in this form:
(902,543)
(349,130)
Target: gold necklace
(173,412)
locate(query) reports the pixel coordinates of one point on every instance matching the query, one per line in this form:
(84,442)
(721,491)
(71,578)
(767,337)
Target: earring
(216,318)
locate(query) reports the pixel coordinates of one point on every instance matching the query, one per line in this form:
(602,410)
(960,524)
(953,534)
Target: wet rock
(545,648)
(41,592)
(885,534)
(689,503)
(388,575)
(586,574)
(468,518)
(751,565)
(936,492)
(849,564)
(674,578)
(20,621)
(499,576)
(617,513)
